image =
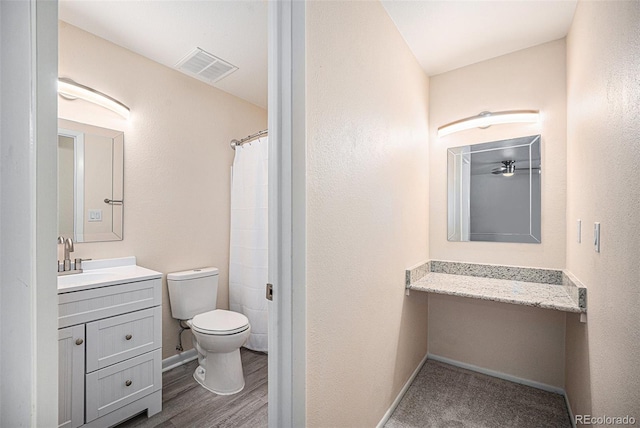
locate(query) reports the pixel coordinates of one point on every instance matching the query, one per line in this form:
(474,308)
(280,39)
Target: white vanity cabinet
(110,357)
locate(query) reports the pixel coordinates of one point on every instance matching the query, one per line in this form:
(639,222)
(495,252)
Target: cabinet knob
(128,383)
(128,337)
(79,342)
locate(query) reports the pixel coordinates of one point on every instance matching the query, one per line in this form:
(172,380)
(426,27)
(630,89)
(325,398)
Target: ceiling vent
(205,66)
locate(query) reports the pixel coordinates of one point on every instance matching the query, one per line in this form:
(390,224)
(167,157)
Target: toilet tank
(192,292)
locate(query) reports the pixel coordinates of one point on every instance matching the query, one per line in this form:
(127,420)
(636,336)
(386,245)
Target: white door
(71,376)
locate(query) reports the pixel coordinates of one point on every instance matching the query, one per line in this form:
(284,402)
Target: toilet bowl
(218,334)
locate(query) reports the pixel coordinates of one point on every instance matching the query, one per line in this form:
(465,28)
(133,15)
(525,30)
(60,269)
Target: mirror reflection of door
(66,185)
(71,184)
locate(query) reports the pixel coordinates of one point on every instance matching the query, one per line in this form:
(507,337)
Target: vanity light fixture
(69,89)
(487,118)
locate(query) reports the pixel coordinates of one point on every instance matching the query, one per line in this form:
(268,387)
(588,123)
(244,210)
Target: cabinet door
(71,376)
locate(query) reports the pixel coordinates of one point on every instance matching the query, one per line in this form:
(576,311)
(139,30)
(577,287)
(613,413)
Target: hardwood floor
(186,404)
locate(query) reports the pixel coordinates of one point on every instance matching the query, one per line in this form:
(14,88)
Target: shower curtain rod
(235,143)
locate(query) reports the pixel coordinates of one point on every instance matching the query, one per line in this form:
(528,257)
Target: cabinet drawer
(116,339)
(123,383)
(88,305)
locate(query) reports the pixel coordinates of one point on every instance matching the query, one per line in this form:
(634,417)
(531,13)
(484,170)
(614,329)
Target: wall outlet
(95,215)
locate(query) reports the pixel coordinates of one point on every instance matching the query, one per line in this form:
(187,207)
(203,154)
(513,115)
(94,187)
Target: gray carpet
(446,396)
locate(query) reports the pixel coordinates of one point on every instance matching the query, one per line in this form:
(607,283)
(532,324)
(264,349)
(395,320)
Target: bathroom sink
(86,278)
(92,276)
(99,273)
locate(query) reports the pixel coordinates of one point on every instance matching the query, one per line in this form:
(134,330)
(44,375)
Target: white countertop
(534,294)
(102,273)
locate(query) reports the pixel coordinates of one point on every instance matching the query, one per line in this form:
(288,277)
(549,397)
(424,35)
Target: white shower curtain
(248,258)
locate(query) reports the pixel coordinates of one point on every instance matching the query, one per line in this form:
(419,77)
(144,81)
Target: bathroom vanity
(540,288)
(110,340)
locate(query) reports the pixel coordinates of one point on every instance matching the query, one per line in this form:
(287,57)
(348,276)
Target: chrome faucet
(68,249)
(66,266)
(66,253)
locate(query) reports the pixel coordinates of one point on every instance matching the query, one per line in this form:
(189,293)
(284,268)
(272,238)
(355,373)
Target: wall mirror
(494,191)
(90,182)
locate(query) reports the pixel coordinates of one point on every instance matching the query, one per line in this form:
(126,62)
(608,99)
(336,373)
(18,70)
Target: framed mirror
(90,182)
(494,191)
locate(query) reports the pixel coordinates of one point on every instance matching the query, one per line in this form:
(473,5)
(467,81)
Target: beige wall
(367,216)
(516,340)
(603,356)
(532,78)
(530,341)
(177,159)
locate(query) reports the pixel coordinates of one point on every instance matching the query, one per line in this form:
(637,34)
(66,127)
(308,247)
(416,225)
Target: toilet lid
(220,322)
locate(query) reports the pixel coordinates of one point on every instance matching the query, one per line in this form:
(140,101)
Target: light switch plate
(95,215)
(596,236)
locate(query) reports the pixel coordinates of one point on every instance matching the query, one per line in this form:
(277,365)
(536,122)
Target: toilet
(217,334)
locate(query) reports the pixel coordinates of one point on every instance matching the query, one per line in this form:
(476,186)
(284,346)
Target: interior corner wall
(367,212)
(177,159)
(519,341)
(603,59)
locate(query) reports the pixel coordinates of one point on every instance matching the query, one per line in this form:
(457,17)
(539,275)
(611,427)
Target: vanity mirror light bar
(486,119)
(67,88)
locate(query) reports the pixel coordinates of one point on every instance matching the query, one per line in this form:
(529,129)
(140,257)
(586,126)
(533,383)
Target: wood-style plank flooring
(186,404)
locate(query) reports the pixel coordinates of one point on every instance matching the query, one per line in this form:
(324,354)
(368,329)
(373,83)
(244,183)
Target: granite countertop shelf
(561,297)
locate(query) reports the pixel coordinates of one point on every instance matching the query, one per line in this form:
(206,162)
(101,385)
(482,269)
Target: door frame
(28,208)
(287,218)
(287,215)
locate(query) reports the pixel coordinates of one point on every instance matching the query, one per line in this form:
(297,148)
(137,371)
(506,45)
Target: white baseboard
(179,359)
(499,375)
(403,391)
(488,372)
(573,419)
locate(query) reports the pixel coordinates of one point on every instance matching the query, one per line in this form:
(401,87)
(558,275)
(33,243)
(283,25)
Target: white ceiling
(449,34)
(166,31)
(443,35)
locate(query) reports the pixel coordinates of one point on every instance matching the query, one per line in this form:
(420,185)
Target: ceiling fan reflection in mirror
(508,168)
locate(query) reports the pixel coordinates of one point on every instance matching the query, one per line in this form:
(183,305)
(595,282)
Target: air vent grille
(205,66)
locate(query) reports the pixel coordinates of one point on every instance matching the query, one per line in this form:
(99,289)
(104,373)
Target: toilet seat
(220,322)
